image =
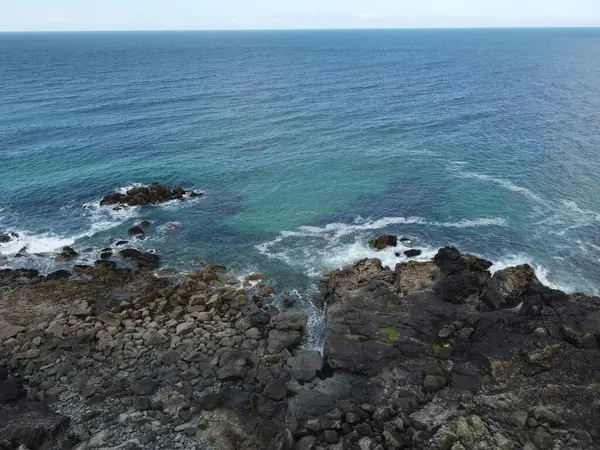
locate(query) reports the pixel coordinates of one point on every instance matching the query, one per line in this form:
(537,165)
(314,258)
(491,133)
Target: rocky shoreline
(431,355)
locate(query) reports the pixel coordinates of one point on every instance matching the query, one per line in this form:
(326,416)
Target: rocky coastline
(434,354)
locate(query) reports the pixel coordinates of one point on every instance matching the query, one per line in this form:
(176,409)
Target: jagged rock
(130,253)
(275,390)
(254,277)
(306,364)
(67,254)
(233,363)
(29,424)
(59,275)
(143,386)
(136,231)
(414,276)
(383,241)
(142,196)
(411,253)
(8,330)
(80,308)
(289,321)
(519,418)
(144,260)
(508,287)
(280,340)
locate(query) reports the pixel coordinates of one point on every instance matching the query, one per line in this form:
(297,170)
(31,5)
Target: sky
(78,15)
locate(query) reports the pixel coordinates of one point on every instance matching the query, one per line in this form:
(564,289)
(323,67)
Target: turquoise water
(306,144)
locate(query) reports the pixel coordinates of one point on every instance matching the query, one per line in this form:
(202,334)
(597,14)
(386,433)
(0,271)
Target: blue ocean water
(307,143)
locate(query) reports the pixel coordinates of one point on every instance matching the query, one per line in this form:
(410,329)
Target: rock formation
(147,195)
(436,355)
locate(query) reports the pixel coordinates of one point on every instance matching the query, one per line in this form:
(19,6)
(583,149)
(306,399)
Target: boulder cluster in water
(436,355)
(147,195)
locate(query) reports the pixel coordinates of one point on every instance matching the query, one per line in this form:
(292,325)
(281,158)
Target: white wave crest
(542,273)
(317,249)
(504,183)
(36,243)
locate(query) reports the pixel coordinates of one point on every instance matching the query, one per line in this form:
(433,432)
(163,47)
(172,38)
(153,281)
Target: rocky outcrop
(7,237)
(26,423)
(147,195)
(431,355)
(443,355)
(411,253)
(141,361)
(67,254)
(383,241)
(144,260)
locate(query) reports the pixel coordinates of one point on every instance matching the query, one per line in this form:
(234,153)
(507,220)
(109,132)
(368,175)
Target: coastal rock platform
(438,354)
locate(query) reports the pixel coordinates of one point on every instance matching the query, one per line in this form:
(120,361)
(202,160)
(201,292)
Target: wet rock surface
(431,355)
(147,195)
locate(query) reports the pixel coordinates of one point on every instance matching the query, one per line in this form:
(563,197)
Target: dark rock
(145,224)
(144,260)
(67,254)
(145,195)
(507,288)
(411,253)
(105,264)
(11,389)
(83,269)
(59,275)
(433,383)
(112,199)
(331,436)
(106,255)
(135,231)
(148,261)
(279,340)
(130,253)
(120,243)
(143,386)
(275,389)
(290,321)
(29,424)
(306,364)
(142,403)
(306,443)
(209,401)
(363,429)
(383,241)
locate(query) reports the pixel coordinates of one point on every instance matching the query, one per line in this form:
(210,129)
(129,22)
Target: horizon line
(474,27)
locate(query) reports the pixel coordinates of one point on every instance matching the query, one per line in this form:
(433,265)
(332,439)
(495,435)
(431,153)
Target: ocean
(306,144)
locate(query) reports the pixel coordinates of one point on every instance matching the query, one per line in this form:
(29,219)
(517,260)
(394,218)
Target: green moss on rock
(391,332)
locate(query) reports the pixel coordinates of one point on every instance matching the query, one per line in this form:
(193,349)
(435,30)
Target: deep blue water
(307,143)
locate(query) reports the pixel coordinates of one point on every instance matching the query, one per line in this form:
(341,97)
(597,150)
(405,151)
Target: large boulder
(452,365)
(383,241)
(507,288)
(290,321)
(67,254)
(26,423)
(462,277)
